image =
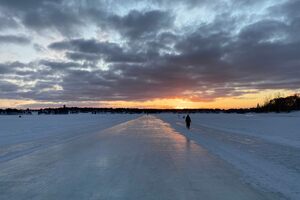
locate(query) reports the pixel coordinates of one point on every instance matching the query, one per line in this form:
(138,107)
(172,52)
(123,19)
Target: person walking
(188,121)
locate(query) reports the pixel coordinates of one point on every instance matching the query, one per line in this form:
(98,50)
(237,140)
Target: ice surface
(19,136)
(264,147)
(143,158)
(282,128)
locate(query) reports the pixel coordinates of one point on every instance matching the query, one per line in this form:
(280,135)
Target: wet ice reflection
(142,159)
(177,144)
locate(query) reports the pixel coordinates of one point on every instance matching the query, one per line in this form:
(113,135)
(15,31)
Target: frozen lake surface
(143,157)
(265,148)
(20,136)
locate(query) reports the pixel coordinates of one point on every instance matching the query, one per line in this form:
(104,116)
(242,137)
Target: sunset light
(149,99)
(149,54)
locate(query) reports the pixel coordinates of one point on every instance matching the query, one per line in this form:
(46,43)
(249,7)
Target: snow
(265,148)
(122,156)
(143,158)
(282,128)
(19,136)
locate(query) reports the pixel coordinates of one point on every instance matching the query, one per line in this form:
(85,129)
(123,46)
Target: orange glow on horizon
(177,103)
(244,101)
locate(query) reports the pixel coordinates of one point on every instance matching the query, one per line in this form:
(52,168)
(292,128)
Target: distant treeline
(279,104)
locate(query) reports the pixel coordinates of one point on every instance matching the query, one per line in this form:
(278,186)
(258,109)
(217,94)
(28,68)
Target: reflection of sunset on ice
(149,99)
(111,158)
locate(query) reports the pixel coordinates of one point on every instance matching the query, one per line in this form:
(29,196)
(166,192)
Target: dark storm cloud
(63,21)
(44,14)
(11,67)
(289,12)
(289,9)
(263,31)
(14,39)
(208,60)
(7,22)
(78,56)
(80,49)
(7,87)
(59,65)
(128,82)
(141,24)
(4,69)
(26,5)
(87,46)
(69,17)
(156,58)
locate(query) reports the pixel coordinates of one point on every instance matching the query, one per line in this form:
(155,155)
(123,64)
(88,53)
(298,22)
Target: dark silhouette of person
(188,121)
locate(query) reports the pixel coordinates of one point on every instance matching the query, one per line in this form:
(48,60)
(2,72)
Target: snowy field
(120,156)
(265,148)
(20,136)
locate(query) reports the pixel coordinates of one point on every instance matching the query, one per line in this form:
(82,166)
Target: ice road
(143,158)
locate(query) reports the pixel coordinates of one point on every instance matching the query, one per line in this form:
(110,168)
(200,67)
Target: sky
(148,53)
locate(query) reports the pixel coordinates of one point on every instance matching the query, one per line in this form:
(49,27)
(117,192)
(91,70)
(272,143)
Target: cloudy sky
(154,53)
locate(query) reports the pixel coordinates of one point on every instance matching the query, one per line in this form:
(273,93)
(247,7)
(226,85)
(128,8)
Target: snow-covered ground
(20,136)
(119,156)
(140,159)
(265,148)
